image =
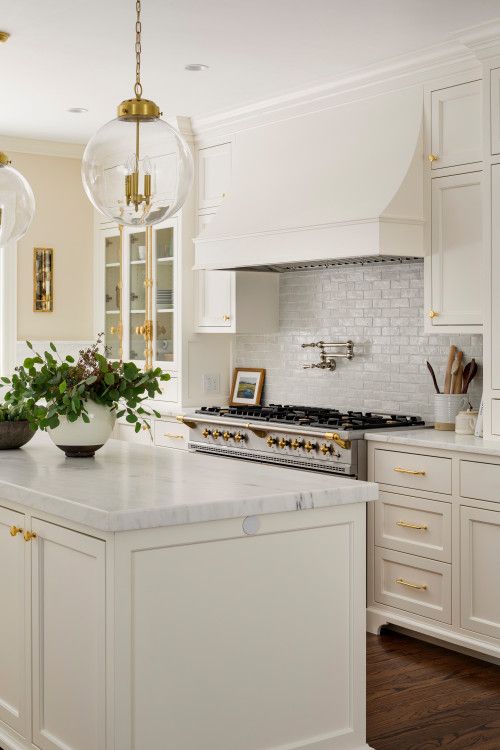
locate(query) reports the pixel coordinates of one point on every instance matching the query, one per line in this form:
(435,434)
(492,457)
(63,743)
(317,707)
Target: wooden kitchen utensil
(447,379)
(457,374)
(433,376)
(470,373)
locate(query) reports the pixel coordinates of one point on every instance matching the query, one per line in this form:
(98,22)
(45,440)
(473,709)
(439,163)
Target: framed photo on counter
(246,389)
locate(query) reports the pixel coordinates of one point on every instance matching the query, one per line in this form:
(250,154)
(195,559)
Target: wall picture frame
(247,385)
(43,279)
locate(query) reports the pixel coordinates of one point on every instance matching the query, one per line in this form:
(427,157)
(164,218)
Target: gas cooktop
(313,416)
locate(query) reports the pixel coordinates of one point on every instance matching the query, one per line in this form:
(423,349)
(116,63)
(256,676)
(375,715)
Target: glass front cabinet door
(130,281)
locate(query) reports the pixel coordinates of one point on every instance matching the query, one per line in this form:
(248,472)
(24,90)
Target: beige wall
(64,221)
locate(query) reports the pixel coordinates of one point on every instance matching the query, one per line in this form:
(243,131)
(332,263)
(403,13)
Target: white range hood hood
(340,185)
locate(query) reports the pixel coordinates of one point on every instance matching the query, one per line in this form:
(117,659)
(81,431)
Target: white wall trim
(462,51)
(11,144)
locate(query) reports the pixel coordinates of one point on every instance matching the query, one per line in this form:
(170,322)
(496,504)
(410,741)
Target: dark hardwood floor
(422,697)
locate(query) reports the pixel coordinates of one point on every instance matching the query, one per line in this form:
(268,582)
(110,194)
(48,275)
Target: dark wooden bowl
(15,434)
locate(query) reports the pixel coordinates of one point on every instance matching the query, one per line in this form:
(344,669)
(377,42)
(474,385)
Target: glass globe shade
(17,205)
(111,155)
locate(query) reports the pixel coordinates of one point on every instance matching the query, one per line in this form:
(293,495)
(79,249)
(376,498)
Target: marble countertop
(437,439)
(128,486)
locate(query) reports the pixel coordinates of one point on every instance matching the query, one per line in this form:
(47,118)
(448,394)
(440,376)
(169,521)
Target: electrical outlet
(211,383)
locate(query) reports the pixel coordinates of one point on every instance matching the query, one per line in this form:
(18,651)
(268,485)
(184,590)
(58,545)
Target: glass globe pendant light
(137,169)
(17,203)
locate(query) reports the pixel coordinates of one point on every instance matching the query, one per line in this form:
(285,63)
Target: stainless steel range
(304,437)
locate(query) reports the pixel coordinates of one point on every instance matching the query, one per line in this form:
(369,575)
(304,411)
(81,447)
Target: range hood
(338,186)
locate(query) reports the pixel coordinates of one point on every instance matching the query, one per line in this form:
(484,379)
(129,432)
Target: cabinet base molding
(377,618)
(11,741)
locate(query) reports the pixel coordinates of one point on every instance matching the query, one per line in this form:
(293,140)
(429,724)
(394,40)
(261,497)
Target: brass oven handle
(419,586)
(413,472)
(346,444)
(408,525)
(173,435)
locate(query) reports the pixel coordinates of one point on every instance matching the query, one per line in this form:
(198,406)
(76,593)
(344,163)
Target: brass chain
(138,29)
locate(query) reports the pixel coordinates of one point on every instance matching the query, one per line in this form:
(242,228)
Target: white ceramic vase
(81,439)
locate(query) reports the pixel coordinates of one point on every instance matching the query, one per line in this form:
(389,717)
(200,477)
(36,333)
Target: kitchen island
(154,598)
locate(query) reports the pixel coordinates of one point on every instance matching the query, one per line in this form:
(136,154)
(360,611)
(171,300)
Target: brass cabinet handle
(433,314)
(433,157)
(413,472)
(15,530)
(408,525)
(173,435)
(29,535)
(419,586)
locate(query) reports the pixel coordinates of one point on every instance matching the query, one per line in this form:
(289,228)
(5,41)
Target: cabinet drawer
(414,525)
(417,472)
(480,481)
(168,434)
(413,584)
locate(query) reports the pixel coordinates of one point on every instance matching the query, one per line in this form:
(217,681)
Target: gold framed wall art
(43,279)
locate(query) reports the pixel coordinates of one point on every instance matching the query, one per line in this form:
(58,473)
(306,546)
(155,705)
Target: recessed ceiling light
(77,110)
(195,67)
(4,35)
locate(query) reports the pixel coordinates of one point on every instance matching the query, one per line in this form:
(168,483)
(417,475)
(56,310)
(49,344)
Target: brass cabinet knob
(433,314)
(206,433)
(15,530)
(239,437)
(226,318)
(140,330)
(325,449)
(113,330)
(226,435)
(216,434)
(283,443)
(271,441)
(310,446)
(29,535)
(297,444)
(433,157)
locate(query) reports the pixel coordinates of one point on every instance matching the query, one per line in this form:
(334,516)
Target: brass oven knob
(297,444)
(271,441)
(226,435)
(325,449)
(310,446)
(206,433)
(239,437)
(283,443)
(216,434)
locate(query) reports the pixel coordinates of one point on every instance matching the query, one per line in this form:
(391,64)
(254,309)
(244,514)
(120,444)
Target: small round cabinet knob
(433,157)
(15,530)
(271,441)
(433,314)
(226,318)
(29,535)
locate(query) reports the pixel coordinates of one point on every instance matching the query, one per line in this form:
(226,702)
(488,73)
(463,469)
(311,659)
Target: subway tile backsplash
(381,310)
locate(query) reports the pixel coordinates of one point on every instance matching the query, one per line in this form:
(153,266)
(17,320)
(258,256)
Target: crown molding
(11,144)
(463,50)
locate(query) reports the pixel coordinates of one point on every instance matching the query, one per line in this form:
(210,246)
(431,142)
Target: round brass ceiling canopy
(4,159)
(4,35)
(131,110)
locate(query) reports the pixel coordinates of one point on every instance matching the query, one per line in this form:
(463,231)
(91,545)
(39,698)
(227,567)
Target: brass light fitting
(4,159)
(4,36)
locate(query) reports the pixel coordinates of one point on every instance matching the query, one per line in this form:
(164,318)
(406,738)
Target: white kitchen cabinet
(14,622)
(456,252)
(214,174)
(495,281)
(215,290)
(69,659)
(456,132)
(495,110)
(480,565)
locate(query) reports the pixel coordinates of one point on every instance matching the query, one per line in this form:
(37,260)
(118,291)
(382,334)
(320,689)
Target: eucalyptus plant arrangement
(15,412)
(48,387)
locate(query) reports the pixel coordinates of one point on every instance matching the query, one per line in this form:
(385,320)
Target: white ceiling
(79,53)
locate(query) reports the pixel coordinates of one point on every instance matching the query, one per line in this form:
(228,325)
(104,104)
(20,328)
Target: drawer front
(480,481)
(171,434)
(416,472)
(125,431)
(413,584)
(495,411)
(414,525)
